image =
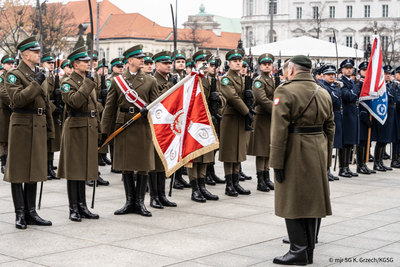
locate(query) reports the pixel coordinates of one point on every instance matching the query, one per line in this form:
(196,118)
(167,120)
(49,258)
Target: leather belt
(39,111)
(392,105)
(129,110)
(352,104)
(338,109)
(303,129)
(91,114)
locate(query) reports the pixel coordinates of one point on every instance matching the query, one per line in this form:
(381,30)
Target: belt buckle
(92,113)
(131,110)
(357,103)
(40,111)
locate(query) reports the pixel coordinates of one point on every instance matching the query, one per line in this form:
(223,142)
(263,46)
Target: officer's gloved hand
(103,139)
(89,75)
(144,112)
(248,94)
(40,77)
(369,124)
(279,175)
(58,110)
(251,118)
(214,96)
(173,79)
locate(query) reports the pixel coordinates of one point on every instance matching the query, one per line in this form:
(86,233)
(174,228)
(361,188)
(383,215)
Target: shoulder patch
(66,88)
(225,81)
(276,101)
(12,78)
(257,84)
(108,84)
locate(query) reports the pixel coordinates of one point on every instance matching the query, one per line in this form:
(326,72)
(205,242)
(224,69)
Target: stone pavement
(240,231)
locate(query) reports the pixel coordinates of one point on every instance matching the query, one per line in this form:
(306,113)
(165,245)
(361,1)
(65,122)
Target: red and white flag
(181,126)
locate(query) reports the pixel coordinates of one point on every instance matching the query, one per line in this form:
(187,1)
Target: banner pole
(369,140)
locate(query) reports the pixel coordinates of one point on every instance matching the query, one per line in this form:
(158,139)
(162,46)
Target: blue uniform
(364,118)
(387,132)
(336,96)
(351,121)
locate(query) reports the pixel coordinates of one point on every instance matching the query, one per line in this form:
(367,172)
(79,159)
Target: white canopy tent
(305,45)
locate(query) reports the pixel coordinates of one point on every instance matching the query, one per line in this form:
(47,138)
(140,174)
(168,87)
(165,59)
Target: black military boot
(50,172)
(203,190)
(297,254)
(129,186)
(267,180)
(19,205)
(101,161)
(395,161)
(261,186)
(184,171)
(241,173)
(377,159)
(385,155)
(141,185)
(361,165)
(72,191)
(349,159)
(229,189)
(105,159)
(383,164)
(101,181)
(52,166)
(154,200)
(342,167)
(178,176)
(161,178)
(3,163)
(211,171)
(209,179)
(311,230)
(330,176)
(238,187)
(177,184)
(196,194)
(82,207)
(31,216)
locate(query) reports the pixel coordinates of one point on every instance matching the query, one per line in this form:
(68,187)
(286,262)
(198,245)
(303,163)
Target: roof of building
(229,24)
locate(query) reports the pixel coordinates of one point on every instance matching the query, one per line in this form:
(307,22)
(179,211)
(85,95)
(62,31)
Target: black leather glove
(89,76)
(58,110)
(103,139)
(279,175)
(251,118)
(144,112)
(40,77)
(248,94)
(173,79)
(214,96)
(369,124)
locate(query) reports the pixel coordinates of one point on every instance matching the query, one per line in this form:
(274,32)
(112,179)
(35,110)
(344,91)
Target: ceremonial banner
(181,126)
(373,93)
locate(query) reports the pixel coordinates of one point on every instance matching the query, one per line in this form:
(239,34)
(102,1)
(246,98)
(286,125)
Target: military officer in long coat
(133,147)
(31,124)
(302,131)
(263,90)
(78,154)
(5,110)
(233,136)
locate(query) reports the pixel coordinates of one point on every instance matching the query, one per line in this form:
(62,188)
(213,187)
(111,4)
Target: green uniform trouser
(231,168)
(197,171)
(262,164)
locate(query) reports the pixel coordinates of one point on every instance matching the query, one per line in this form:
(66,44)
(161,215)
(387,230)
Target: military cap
(7,59)
(65,63)
(163,57)
(189,62)
(363,65)
(245,61)
(117,62)
(95,54)
(29,43)
(319,70)
(101,65)
(328,69)
(354,72)
(387,68)
(266,58)
(134,51)
(397,69)
(347,63)
(340,70)
(234,54)
(79,54)
(302,61)
(201,55)
(286,60)
(49,58)
(148,57)
(180,54)
(212,61)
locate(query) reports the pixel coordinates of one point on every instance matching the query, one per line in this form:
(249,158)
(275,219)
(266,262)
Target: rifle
(249,101)
(277,78)
(57,95)
(214,104)
(104,90)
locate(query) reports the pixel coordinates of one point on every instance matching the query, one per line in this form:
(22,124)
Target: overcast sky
(160,11)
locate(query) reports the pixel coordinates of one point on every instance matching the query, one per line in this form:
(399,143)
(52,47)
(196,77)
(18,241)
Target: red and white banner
(181,126)
(129,93)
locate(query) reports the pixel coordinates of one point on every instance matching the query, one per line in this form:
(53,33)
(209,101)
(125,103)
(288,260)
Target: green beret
(302,61)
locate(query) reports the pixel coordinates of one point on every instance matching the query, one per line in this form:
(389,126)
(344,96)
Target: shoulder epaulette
(150,76)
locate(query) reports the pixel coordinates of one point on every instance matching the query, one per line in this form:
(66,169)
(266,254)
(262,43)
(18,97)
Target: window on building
(108,54)
(385,11)
(315,12)
(367,11)
(272,6)
(120,51)
(349,11)
(349,41)
(251,4)
(332,12)
(101,53)
(385,42)
(331,39)
(299,12)
(366,42)
(250,39)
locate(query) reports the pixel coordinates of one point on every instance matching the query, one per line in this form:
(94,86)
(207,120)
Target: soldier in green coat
(31,125)
(263,90)
(79,140)
(302,132)
(233,137)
